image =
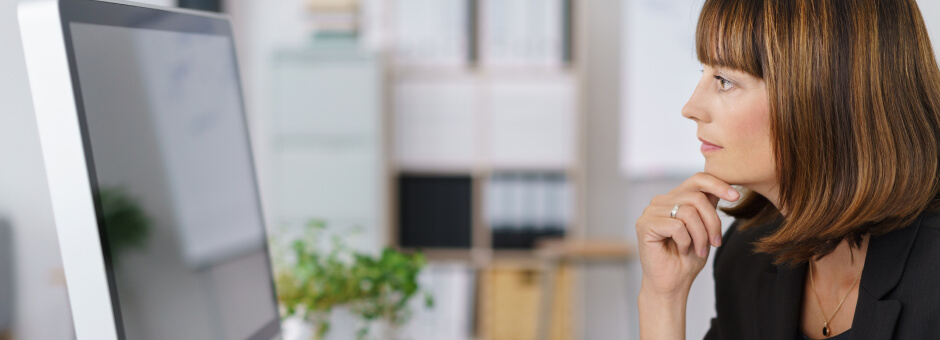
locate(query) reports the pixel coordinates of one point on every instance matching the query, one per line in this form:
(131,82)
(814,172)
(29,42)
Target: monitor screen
(169,158)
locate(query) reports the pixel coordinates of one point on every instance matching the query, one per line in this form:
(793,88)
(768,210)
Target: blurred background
(514,142)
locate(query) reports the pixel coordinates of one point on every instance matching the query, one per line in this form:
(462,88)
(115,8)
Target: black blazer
(899,296)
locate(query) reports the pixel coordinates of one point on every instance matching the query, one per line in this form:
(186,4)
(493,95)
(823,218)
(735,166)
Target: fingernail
(717,240)
(733,194)
(704,252)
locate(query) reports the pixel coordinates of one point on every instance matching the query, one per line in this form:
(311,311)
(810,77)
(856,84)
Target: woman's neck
(842,266)
(770,191)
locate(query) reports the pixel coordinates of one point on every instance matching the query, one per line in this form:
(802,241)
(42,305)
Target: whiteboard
(659,73)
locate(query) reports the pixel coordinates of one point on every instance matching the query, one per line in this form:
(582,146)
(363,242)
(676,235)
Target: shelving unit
(482,106)
(470,113)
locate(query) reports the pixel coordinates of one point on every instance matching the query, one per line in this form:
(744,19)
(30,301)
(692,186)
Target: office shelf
(475,109)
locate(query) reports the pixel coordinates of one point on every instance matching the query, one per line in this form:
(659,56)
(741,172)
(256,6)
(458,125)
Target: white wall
(660,70)
(930,9)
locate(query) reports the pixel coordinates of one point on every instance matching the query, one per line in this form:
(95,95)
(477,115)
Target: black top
(842,336)
(899,292)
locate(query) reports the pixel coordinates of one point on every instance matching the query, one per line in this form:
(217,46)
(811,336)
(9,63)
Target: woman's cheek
(752,135)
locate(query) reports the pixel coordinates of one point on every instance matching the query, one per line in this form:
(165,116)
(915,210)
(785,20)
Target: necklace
(825,330)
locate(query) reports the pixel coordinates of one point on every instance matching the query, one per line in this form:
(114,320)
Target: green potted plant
(311,281)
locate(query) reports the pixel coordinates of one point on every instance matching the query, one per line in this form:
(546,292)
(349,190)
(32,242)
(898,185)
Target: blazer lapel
(875,316)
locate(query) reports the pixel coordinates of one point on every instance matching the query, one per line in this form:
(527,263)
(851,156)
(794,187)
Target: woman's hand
(673,250)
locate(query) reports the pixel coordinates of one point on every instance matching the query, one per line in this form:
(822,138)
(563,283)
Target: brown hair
(854,95)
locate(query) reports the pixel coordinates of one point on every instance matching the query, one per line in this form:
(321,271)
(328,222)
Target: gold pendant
(826,329)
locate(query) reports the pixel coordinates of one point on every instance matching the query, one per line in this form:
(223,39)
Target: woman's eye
(724,84)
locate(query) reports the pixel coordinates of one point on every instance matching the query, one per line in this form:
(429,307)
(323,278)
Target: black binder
(434,211)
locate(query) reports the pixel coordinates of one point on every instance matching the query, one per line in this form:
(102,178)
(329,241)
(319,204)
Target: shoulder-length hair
(854,95)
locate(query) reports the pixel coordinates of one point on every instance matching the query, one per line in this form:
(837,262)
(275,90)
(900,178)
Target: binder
(434,211)
(524,207)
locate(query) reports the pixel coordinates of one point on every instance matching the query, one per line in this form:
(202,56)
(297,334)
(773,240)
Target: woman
(826,115)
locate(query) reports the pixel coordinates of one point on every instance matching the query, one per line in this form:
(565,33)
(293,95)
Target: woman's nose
(693,109)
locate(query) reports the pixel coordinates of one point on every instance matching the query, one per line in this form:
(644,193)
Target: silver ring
(675,210)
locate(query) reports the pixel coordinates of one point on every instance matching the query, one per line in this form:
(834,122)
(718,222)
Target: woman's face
(732,112)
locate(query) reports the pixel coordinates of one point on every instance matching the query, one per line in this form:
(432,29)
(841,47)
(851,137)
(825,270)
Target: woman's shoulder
(918,244)
(906,269)
(931,221)
(923,260)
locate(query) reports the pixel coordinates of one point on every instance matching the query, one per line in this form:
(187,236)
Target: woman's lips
(708,147)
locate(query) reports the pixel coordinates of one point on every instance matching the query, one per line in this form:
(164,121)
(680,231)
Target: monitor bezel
(128,15)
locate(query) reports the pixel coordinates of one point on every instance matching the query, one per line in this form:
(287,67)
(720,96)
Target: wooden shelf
(586,250)
(443,254)
(483,257)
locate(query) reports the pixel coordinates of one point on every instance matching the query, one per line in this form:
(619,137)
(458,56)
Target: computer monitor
(6,278)
(150,172)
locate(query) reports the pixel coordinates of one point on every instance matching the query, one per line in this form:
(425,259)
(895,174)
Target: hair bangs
(729,34)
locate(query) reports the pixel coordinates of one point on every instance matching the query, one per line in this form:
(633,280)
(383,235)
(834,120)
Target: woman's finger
(709,184)
(694,226)
(663,228)
(708,215)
